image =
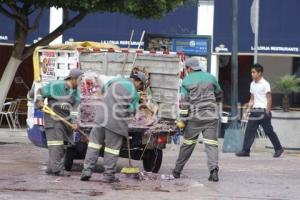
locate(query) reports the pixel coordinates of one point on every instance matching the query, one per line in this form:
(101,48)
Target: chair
(21,110)
(8,111)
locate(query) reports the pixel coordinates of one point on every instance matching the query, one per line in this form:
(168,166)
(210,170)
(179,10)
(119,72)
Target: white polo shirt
(259,90)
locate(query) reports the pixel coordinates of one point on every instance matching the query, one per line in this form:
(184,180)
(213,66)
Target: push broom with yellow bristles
(130,169)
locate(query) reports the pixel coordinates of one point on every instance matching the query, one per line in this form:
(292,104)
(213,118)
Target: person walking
(119,101)
(259,113)
(200,91)
(62,96)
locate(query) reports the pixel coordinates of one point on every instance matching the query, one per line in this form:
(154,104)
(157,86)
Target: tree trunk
(20,53)
(13,63)
(285,103)
(8,77)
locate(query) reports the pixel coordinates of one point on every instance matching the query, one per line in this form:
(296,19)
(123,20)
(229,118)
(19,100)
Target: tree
(19,11)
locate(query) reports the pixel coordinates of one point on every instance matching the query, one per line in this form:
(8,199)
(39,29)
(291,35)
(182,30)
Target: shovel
(49,111)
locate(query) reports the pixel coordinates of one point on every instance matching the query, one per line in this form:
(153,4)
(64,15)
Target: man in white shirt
(259,108)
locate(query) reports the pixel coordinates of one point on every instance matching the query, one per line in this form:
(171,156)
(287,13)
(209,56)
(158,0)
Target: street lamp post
(234,65)
(255,26)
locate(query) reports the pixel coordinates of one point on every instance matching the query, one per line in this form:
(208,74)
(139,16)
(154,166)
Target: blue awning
(279,27)
(116,27)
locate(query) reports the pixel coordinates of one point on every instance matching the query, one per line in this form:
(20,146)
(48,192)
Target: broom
(130,169)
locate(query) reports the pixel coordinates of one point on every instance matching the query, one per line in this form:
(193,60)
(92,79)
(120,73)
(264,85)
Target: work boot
(278,153)
(214,175)
(86,175)
(175,174)
(243,154)
(62,173)
(49,171)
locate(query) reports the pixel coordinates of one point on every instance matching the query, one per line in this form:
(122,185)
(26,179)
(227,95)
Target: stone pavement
(13,135)
(259,177)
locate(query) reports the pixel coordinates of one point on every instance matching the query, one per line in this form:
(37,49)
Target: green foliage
(20,10)
(137,8)
(287,84)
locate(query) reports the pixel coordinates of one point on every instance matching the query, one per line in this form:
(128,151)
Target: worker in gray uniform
(199,112)
(62,96)
(119,101)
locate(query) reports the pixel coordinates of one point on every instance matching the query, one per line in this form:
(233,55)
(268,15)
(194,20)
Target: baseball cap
(140,76)
(74,73)
(196,63)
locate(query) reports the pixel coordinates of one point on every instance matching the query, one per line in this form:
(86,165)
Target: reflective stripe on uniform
(94,145)
(189,142)
(211,142)
(183,112)
(55,143)
(74,113)
(112,151)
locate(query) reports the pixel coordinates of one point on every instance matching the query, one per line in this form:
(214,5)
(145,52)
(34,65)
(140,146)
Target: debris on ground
(146,176)
(149,176)
(58,180)
(167,177)
(160,189)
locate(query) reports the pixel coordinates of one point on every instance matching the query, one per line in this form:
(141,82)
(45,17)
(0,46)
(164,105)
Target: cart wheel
(69,158)
(152,160)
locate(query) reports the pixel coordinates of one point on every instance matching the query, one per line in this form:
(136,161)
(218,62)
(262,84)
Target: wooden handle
(49,111)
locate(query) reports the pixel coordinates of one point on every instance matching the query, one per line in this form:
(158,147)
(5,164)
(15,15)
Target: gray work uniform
(119,102)
(61,99)
(198,103)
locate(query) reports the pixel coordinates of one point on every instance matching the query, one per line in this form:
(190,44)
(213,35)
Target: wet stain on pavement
(4,143)
(18,181)
(95,193)
(24,190)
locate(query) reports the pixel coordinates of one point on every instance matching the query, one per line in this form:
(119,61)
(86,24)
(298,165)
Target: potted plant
(286,85)
(286,122)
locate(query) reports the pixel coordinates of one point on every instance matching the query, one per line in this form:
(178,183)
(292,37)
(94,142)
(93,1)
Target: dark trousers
(113,143)
(260,117)
(56,136)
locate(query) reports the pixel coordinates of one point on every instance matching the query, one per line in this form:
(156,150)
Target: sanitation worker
(199,112)
(119,101)
(62,96)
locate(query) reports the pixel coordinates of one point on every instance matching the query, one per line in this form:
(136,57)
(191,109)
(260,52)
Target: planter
(287,127)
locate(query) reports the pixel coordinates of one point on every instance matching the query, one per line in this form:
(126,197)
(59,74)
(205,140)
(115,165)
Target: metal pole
(234,65)
(140,43)
(141,40)
(256,31)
